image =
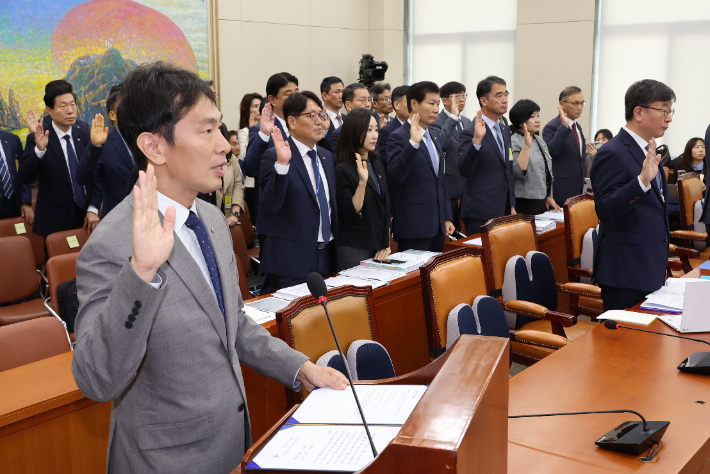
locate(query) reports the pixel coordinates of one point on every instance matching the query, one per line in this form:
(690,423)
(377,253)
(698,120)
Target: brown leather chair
(30,341)
(18,281)
(243,283)
(60,269)
(57,243)
(248,230)
(690,190)
(304,326)
(240,247)
(7,229)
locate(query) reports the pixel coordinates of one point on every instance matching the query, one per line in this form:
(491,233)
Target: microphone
(630,437)
(696,363)
(316,285)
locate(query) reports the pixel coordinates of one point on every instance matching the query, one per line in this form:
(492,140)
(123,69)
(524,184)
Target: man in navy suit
(399,103)
(15,196)
(331,90)
(108,159)
(631,252)
(355,96)
(567,145)
(298,199)
(415,164)
(486,159)
(52,155)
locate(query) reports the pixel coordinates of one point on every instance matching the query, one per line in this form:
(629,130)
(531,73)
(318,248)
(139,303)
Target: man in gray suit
(160,330)
(449,123)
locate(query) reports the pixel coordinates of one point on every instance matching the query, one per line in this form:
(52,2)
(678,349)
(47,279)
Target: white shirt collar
(640,141)
(303,149)
(452,115)
(181,212)
(400,122)
(60,133)
(488,121)
(331,114)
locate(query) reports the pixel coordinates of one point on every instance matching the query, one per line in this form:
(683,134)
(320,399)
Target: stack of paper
(544,225)
(410,261)
(264,310)
(370,273)
(669,298)
(477,241)
(628,317)
(293,292)
(344,280)
(557,216)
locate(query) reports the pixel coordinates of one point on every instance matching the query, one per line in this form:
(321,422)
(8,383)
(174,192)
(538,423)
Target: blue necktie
(6,182)
(499,139)
(432,152)
(195,224)
(320,193)
(79,196)
(658,176)
(459,125)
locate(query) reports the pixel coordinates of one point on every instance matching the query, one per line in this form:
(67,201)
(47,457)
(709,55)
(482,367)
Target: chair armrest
(526,308)
(582,289)
(675,265)
(689,235)
(683,251)
(580,272)
(543,339)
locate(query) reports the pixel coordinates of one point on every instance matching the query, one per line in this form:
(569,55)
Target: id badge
(510,154)
(228,202)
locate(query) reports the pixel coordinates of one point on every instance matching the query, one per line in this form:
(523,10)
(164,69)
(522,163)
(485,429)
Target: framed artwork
(94,44)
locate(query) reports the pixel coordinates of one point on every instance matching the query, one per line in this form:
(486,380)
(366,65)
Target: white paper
(628,317)
(343,280)
(380,274)
(381,405)
(269,305)
(477,241)
(557,216)
(258,315)
(293,292)
(322,448)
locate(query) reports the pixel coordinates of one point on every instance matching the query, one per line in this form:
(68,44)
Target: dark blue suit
(325,141)
(420,195)
(490,184)
(384,134)
(290,213)
(21,193)
(568,165)
(112,166)
(631,252)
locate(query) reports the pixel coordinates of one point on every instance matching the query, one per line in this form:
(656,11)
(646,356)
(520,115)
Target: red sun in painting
(138,32)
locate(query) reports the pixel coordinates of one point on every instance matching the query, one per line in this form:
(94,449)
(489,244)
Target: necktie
(432,152)
(320,194)
(195,224)
(339,118)
(576,134)
(6,182)
(459,126)
(499,139)
(658,176)
(79,197)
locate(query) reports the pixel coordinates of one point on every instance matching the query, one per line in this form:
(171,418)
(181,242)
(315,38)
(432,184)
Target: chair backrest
(57,243)
(503,238)
(32,340)
(333,360)
(580,216)
(240,247)
(450,279)
(60,269)
(690,190)
(8,229)
(243,282)
(247,226)
(369,360)
(18,274)
(530,278)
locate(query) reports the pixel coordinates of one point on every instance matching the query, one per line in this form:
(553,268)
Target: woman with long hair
(693,160)
(249,115)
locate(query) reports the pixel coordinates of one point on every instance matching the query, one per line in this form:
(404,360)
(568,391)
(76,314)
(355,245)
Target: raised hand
(362,171)
(415,134)
(563,116)
(31,121)
(326,122)
(479,130)
(454,104)
(267,119)
(650,164)
(152,242)
(383,120)
(283,148)
(254,118)
(591,148)
(527,136)
(41,137)
(99,133)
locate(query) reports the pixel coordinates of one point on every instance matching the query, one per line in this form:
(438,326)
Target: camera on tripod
(371,71)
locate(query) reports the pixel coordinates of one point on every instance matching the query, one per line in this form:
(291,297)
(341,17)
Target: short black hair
(352,135)
(328,82)
(54,89)
(645,92)
(279,81)
(521,112)
(483,89)
(378,89)
(113,95)
(451,88)
(349,92)
(156,96)
(295,104)
(264,101)
(399,92)
(419,91)
(606,133)
(56,82)
(568,91)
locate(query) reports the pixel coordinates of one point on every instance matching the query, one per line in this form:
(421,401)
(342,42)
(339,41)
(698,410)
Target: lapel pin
(212,229)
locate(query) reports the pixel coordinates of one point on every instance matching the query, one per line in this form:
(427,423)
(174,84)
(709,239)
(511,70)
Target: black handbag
(68,303)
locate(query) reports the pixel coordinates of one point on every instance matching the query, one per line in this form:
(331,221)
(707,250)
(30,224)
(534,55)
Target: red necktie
(576,135)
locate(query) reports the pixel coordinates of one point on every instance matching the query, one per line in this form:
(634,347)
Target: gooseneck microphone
(696,363)
(316,285)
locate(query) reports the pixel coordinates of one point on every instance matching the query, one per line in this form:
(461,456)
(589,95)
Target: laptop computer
(695,316)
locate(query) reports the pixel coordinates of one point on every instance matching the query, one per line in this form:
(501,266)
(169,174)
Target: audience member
(361,191)
(15,196)
(249,115)
(486,159)
(381,95)
(693,160)
(567,144)
(355,96)
(600,138)
(399,103)
(298,203)
(230,197)
(532,164)
(331,90)
(705,217)
(415,165)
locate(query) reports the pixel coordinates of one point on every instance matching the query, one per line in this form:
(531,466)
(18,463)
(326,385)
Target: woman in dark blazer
(361,192)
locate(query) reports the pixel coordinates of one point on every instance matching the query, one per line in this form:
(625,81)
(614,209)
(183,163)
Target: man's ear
(291,123)
(150,145)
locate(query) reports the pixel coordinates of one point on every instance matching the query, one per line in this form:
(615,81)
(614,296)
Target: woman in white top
(249,115)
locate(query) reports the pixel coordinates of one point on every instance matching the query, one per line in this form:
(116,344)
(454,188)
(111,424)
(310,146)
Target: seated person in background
(249,115)
(230,197)
(361,192)
(693,160)
(532,164)
(15,196)
(600,138)
(355,96)
(298,203)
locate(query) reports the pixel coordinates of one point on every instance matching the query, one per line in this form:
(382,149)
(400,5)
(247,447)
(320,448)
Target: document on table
(552,215)
(329,448)
(477,241)
(381,405)
(670,297)
(343,280)
(293,292)
(361,271)
(628,317)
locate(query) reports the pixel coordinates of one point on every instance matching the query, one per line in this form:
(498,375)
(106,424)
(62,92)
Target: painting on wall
(92,44)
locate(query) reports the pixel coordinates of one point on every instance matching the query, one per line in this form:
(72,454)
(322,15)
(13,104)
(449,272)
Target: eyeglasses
(314,115)
(384,99)
(576,104)
(459,96)
(364,100)
(666,113)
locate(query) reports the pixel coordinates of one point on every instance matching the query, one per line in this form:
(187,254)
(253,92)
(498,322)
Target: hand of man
(27,213)
(650,164)
(152,242)
(591,149)
(98,132)
(41,137)
(312,375)
(283,148)
(563,116)
(479,130)
(362,171)
(550,203)
(415,134)
(232,220)
(326,122)
(31,121)
(450,229)
(267,120)
(91,220)
(383,120)
(382,254)
(513,211)
(454,105)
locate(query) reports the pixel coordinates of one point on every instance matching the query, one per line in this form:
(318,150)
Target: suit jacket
(112,166)
(568,165)
(531,184)
(289,206)
(384,134)
(490,183)
(420,195)
(55,207)
(632,247)
(325,141)
(446,126)
(231,186)
(21,192)
(173,373)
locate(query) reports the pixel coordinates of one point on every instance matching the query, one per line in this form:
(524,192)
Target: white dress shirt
(642,144)
(284,126)
(457,118)
(573,123)
(416,145)
(333,119)
(7,163)
(63,143)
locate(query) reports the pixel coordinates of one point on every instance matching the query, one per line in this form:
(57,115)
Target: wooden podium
(459,426)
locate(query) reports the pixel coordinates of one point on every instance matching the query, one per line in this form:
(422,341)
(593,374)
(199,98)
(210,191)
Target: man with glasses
(355,96)
(381,95)
(567,145)
(298,198)
(631,252)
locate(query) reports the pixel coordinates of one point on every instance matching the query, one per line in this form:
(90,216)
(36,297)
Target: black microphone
(696,363)
(316,285)
(630,437)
